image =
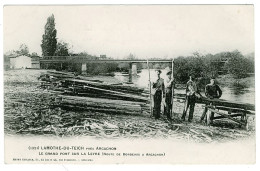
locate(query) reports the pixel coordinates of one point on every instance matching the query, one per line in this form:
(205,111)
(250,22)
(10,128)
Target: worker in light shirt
(169,88)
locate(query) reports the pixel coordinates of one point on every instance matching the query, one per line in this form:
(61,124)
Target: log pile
(84,93)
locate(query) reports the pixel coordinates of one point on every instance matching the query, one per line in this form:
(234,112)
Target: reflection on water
(142,79)
(245,95)
(237,94)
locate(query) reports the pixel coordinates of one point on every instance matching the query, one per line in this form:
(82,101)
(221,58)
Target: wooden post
(172,113)
(130,72)
(231,117)
(211,117)
(208,114)
(150,91)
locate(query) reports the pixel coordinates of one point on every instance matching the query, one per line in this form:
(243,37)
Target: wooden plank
(232,115)
(232,110)
(85,108)
(227,116)
(221,102)
(99,104)
(106,86)
(117,93)
(150,89)
(99,100)
(60,72)
(102,95)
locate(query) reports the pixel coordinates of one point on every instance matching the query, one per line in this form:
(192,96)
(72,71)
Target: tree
(131,56)
(88,56)
(49,40)
(238,65)
(34,54)
(62,49)
(23,50)
(11,53)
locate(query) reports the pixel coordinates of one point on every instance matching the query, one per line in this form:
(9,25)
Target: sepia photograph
(129,84)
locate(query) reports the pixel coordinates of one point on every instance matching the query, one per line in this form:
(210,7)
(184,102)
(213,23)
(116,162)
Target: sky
(147,31)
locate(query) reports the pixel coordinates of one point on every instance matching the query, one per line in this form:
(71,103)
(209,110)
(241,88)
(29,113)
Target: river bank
(29,110)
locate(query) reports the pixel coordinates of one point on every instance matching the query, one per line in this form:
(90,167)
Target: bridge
(84,60)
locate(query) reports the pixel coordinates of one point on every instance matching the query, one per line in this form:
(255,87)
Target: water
(142,79)
(243,95)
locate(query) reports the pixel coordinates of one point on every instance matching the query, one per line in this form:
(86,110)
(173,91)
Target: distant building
(6,62)
(24,61)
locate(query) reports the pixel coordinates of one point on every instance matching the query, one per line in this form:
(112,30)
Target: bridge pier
(130,72)
(134,69)
(84,67)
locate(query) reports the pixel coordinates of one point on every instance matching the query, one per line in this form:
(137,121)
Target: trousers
(168,107)
(205,111)
(157,104)
(190,103)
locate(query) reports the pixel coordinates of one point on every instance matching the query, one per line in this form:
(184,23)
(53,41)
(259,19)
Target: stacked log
(101,105)
(84,93)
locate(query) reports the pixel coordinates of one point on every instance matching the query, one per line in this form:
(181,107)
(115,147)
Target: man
(158,89)
(212,91)
(191,93)
(169,85)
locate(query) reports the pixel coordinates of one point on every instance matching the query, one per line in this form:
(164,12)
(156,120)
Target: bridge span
(84,60)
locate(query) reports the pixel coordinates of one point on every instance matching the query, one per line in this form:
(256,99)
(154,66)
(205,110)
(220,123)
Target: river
(232,93)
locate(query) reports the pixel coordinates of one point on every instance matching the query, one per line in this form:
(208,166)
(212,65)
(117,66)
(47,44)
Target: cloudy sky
(145,30)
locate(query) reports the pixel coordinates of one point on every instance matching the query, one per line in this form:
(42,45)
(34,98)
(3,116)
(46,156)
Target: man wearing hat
(158,89)
(169,85)
(191,93)
(212,90)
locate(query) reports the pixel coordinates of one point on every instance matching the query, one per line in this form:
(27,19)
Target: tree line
(198,65)
(207,66)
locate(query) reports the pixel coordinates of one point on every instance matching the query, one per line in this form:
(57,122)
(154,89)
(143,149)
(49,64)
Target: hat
(168,71)
(158,70)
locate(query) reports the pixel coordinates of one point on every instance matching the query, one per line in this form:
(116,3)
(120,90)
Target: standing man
(158,89)
(169,87)
(212,90)
(191,93)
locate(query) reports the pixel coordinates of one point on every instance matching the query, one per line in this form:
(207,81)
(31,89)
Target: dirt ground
(31,110)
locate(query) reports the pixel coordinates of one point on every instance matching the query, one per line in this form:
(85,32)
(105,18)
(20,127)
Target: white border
(127,167)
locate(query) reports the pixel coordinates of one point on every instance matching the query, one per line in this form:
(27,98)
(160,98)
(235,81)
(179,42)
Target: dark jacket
(159,85)
(213,91)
